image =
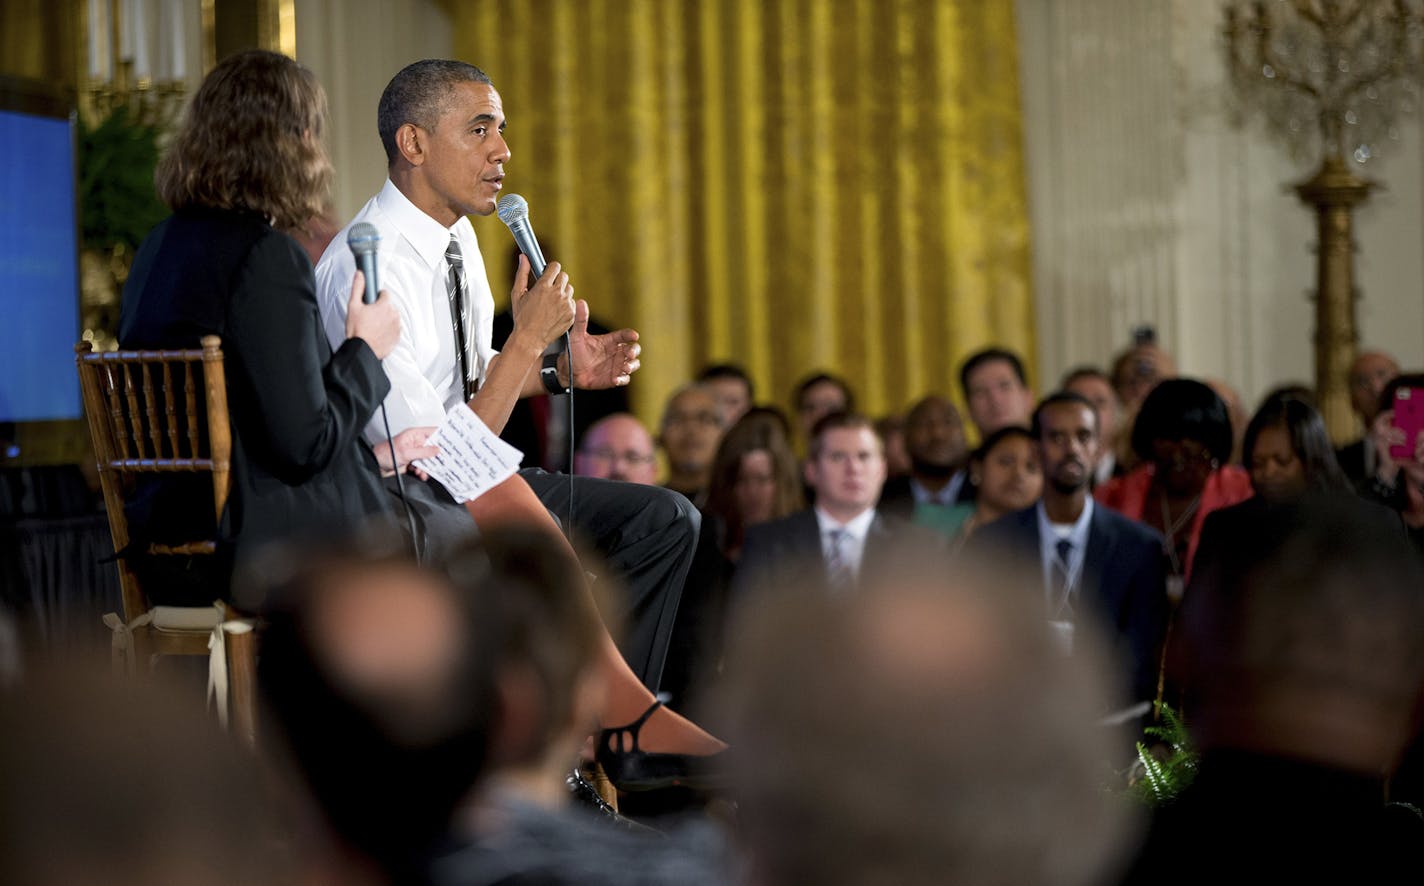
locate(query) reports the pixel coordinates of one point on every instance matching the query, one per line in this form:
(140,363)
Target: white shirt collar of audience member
(856,529)
(1050,533)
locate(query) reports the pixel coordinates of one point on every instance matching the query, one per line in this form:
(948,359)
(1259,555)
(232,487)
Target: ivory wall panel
(1148,206)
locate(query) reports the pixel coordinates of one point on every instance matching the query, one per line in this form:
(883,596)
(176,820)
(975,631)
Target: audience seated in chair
(1096,567)
(1369,374)
(996,388)
(843,536)
(733,388)
(1183,438)
(690,429)
(1006,477)
(618,447)
(934,441)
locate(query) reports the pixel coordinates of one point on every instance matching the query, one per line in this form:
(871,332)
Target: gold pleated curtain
(787,184)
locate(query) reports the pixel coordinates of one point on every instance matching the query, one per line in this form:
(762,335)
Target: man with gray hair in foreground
(925,730)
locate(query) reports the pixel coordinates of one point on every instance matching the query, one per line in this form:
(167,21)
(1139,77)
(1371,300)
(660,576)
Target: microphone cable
(400,490)
(569,350)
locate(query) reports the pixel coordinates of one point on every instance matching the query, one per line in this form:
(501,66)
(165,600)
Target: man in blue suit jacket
(1096,563)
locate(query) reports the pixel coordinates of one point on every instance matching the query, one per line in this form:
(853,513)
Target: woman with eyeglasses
(1183,438)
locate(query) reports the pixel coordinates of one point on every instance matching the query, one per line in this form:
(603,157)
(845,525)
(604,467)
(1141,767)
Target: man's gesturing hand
(600,361)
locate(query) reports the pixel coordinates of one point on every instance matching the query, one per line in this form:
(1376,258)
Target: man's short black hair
(1060,398)
(989,355)
(1183,409)
(728,370)
(419,94)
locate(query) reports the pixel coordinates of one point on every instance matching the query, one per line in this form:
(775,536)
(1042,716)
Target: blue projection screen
(39,270)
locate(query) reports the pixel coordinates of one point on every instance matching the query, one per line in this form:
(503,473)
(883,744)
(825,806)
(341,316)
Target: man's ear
(809,472)
(410,142)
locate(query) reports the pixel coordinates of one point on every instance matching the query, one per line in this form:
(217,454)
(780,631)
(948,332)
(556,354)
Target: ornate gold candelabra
(1330,78)
(131,91)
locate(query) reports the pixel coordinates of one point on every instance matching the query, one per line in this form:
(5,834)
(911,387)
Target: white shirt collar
(1048,537)
(428,237)
(857,528)
(947,495)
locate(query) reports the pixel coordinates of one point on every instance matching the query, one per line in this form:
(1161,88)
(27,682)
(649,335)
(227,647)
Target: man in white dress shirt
(442,125)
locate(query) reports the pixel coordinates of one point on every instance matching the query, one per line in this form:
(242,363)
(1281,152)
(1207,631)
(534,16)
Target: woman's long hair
(1308,438)
(753,432)
(252,140)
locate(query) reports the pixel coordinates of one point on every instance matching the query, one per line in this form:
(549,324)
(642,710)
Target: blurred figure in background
(891,429)
(618,447)
(1182,436)
(922,731)
(1288,452)
(1096,387)
(817,396)
(1370,372)
(934,440)
(1006,477)
(754,480)
(690,430)
(1137,370)
(1398,482)
(732,387)
(996,388)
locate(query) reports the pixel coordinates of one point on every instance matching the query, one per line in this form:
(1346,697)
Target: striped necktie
(455,289)
(839,570)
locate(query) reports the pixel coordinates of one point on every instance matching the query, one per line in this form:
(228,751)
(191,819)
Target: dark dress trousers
(1123,583)
(299,466)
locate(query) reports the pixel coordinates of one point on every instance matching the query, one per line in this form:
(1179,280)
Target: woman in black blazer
(248,163)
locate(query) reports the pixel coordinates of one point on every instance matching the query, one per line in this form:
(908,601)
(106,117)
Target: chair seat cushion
(186,618)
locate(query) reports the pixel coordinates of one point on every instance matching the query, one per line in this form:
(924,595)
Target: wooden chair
(144,418)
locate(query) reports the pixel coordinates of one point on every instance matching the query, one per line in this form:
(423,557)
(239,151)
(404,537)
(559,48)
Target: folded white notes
(472,458)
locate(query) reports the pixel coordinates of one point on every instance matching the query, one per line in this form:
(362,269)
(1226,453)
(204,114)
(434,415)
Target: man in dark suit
(843,535)
(1096,563)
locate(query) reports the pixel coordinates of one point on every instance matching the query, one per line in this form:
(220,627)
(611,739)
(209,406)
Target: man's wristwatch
(549,375)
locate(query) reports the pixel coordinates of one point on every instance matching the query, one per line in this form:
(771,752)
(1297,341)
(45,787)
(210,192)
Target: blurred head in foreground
(379,676)
(924,731)
(1311,649)
(109,781)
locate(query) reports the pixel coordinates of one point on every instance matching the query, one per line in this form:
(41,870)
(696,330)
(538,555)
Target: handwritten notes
(472,458)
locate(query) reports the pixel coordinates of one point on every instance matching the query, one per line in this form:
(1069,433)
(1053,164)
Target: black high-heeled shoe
(633,769)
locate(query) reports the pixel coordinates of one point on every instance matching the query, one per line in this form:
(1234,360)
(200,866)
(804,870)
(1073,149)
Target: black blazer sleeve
(311,408)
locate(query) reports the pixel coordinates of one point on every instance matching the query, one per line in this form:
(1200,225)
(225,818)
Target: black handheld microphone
(365,241)
(513,210)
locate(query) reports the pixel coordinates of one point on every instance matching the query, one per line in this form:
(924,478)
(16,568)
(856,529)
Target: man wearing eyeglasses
(618,447)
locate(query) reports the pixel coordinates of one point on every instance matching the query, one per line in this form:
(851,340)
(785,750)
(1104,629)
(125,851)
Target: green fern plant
(1162,779)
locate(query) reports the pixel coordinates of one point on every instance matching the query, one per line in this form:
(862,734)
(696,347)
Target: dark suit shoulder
(1125,529)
